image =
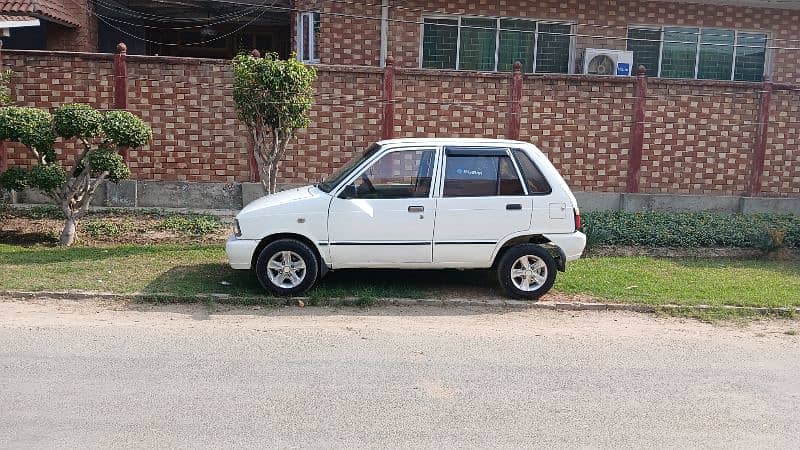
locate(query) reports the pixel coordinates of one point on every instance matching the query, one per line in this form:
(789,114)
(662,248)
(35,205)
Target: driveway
(100,374)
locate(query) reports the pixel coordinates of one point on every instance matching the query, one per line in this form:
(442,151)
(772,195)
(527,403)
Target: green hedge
(668,229)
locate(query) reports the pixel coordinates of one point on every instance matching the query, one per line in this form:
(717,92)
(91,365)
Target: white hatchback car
(418,204)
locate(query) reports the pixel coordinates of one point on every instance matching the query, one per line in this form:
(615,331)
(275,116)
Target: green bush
(668,229)
(190,224)
(125,129)
(102,228)
(77,120)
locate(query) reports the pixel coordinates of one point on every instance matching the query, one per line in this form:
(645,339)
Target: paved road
(101,375)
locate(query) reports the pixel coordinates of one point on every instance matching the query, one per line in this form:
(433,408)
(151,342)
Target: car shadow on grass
(219,279)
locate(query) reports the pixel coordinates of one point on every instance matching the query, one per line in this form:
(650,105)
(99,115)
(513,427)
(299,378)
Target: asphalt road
(101,375)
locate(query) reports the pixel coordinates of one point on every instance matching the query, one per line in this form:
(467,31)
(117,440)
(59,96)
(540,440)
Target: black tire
(507,262)
(300,249)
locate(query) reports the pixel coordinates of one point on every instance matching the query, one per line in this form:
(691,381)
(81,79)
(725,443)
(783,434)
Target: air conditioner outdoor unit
(598,61)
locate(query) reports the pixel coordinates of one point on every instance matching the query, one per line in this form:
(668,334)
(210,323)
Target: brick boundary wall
(697,137)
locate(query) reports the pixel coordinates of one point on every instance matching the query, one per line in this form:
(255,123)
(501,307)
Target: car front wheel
(527,271)
(287,267)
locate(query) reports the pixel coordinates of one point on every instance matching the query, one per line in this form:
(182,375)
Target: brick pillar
(515,106)
(637,132)
(760,148)
(3,150)
(255,175)
(121,86)
(387,128)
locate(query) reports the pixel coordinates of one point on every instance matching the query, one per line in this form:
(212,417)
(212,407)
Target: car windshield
(329,183)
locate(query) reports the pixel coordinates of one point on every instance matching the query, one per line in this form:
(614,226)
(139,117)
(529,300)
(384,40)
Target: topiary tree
(273,98)
(100,136)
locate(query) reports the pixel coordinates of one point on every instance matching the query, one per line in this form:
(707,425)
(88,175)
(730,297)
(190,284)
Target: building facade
(720,106)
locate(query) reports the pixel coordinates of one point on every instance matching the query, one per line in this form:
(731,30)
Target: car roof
(472,142)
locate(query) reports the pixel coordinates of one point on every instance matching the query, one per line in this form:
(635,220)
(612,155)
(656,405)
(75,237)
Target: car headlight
(237,231)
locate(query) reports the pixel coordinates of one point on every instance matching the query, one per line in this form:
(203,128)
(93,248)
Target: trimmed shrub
(668,229)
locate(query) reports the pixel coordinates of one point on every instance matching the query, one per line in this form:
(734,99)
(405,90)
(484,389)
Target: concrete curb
(357,302)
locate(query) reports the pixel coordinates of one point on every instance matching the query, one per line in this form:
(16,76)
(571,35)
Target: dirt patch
(43,312)
(102,229)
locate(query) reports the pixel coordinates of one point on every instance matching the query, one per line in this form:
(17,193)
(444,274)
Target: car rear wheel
(526,271)
(287,267)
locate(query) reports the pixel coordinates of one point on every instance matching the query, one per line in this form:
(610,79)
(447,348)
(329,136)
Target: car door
(482,201)
(384,215)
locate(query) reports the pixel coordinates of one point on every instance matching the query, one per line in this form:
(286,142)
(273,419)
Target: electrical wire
(495,29)
(185,44)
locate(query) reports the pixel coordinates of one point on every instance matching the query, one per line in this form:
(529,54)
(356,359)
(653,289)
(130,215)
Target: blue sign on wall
(623,69)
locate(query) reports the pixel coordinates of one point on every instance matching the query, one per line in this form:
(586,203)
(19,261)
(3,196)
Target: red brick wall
(82,38)
(781,175)
(698,135)
(346,118)
(189,105)
(583,126)
(350,32)
(601,23)
(442,104)
(699,138)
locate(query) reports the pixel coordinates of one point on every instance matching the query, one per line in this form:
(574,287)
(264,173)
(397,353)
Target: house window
(494,44)
(308,37)
(701,53)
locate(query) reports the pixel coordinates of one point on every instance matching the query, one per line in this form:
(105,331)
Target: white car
(418,204)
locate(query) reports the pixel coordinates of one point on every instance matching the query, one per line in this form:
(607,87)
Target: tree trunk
(273,177)
(69,232)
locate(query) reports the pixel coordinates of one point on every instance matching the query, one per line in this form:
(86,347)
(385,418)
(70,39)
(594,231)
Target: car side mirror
(349,192)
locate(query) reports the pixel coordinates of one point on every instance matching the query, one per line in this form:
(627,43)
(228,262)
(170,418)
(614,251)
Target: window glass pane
(471,176)
(508,179)
(315,47)
(537,183)
(751,54)
(516,45)
(440,43)
(645,45)
(477,44)
(403,174)
(304,37)
(679,52)
(716,54)
(552,52)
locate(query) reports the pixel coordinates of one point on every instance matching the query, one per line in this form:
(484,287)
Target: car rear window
(480,176)
(537,183)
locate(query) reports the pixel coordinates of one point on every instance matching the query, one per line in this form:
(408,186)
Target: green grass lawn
(193,269)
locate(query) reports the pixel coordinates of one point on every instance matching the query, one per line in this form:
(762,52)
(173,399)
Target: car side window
(480,176)
(400,174)
(537,183)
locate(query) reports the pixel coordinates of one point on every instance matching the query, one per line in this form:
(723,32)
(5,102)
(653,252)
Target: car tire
(287,267)
(526,271)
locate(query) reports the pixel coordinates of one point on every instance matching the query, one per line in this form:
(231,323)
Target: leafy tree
(273,98)
(100,136)
(5,87)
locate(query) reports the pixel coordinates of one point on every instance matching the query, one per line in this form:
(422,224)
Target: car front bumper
(572,244)
(240,252)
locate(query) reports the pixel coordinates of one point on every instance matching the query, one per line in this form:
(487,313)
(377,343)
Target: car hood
(282,198)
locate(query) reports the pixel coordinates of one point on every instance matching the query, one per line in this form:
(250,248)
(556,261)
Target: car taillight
(237,231)
(577,220)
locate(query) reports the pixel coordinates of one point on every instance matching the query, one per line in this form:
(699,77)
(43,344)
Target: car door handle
(513,206)
(416,209)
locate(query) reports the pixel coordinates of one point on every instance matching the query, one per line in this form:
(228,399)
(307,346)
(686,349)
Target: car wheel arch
(323,266)
(533,238)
